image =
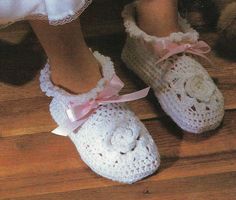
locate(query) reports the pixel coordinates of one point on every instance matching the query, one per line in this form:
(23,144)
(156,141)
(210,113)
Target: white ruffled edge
(67,18)
(52,90)
(128,14)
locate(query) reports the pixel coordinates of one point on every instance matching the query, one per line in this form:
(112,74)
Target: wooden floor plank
(28,105)
(39,164)
(69,180)
(218,187)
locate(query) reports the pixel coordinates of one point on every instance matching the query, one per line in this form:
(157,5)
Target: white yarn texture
(183,87)
(113,142)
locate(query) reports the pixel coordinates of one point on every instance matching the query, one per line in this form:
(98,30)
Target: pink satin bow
(79,113)
(166,49)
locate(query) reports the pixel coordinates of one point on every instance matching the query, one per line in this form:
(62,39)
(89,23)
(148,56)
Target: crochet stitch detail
(113,142)
(183,87)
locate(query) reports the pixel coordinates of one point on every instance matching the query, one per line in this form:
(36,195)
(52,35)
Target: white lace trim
(55,21)
(53,91)
(188,34)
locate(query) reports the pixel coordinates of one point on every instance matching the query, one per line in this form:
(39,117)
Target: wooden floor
(37,165)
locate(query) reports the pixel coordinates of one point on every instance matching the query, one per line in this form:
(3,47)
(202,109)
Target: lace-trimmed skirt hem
(54,11)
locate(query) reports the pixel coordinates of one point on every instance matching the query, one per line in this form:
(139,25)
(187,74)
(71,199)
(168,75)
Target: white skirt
(57,12)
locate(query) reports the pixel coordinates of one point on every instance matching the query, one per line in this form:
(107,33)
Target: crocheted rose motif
(200,88)
(122,139)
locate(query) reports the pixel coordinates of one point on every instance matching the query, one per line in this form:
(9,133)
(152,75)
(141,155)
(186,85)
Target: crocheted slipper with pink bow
(181,84)
(111,140)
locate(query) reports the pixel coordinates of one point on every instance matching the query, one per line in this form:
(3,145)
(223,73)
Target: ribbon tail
(171,53)
(60,131)
(68,127)
(164,58)
(128,97)
(201,55)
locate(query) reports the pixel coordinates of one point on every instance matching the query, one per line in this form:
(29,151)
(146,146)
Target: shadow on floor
(226,49)
(20,63)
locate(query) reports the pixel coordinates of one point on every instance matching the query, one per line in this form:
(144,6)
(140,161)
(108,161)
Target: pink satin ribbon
(78,113)
(166,49)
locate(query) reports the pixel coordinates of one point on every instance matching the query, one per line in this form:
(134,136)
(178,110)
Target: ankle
(77,77)
(158,18)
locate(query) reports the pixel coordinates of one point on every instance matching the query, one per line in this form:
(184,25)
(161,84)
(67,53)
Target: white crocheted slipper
(183,87)
(111,140)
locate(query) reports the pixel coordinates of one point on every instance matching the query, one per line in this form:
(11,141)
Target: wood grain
(15,34)
(29,106)
(39,164)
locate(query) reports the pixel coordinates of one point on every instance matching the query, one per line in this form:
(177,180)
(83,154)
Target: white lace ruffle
(128,14)
(53,91)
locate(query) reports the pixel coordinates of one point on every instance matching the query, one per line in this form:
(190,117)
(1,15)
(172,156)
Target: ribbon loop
(79,113)
(167,49)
